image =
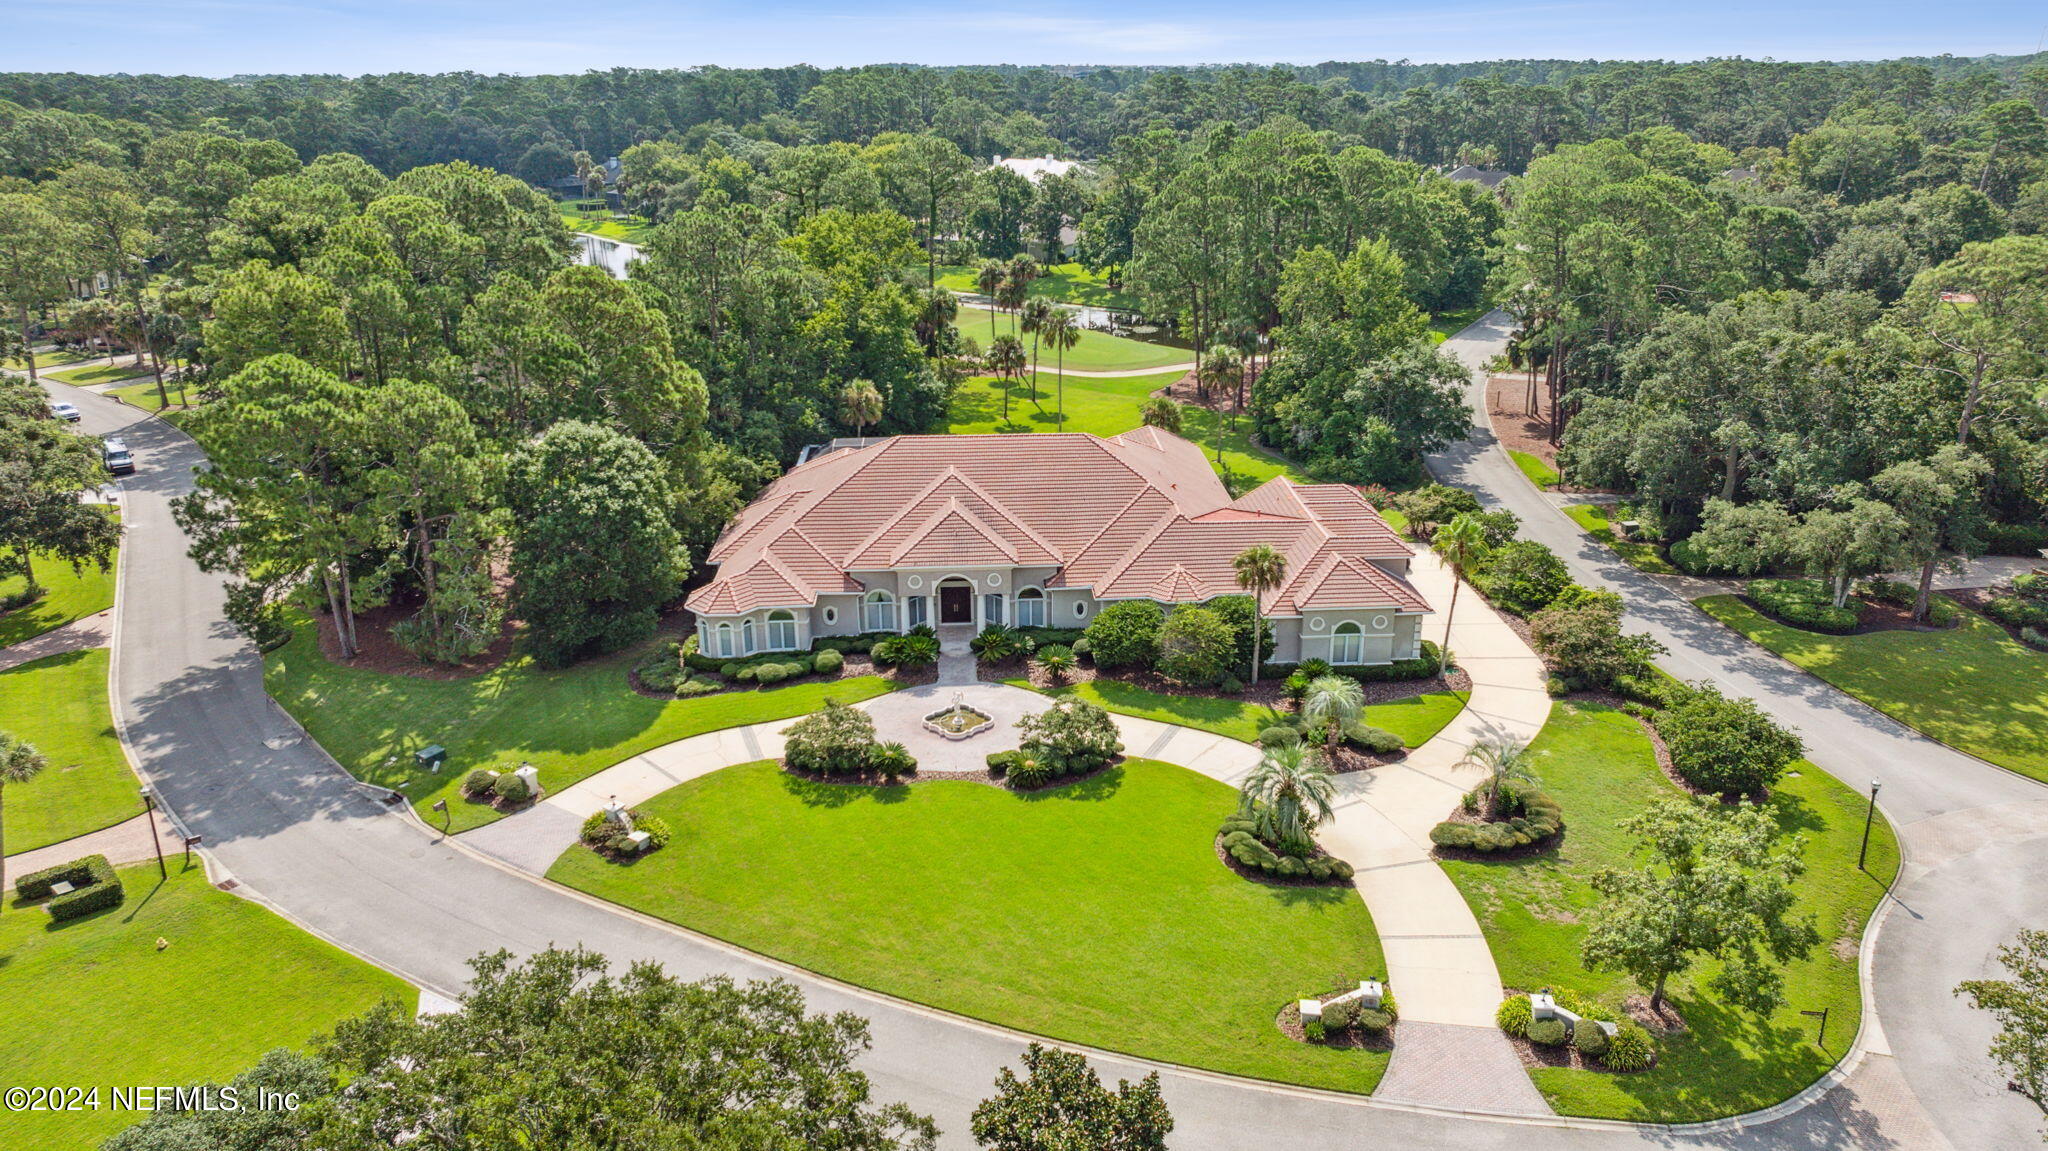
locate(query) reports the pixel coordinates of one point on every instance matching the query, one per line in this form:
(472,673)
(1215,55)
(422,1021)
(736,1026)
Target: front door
(956,603)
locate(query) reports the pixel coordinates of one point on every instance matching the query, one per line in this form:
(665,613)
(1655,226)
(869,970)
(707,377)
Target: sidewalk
(92,631)
(125,842)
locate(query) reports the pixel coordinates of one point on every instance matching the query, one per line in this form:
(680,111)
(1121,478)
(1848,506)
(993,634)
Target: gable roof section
(1342,582)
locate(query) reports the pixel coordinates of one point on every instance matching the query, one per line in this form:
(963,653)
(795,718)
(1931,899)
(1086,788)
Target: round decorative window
(831,615)
(995,579)
(1315,623)
(915,581)
(1379,621)
(1081,608)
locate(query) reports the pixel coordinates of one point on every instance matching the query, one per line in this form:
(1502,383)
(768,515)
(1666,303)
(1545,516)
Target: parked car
(63,411)
(120,461)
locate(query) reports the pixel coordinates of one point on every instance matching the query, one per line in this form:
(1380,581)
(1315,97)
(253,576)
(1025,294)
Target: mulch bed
(1267,692)
(1637,1007)
(984,776)
(1349,1039)
(855,665)
(1516,428)
(1243,872)
(1877,615)
(1975,598)
(377,651)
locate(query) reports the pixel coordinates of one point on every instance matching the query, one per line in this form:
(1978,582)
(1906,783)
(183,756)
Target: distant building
(1037,168)
(1739,175)
(1485,177)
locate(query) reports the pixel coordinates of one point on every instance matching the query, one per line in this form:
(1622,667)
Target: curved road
(291,829)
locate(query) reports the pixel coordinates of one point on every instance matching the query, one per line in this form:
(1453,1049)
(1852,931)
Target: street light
(1868,815)
(149,813)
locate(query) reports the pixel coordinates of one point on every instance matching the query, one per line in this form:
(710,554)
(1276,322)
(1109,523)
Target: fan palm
(1461,543)
(1222,367)
(19,763)
(1288,794)
(860,404)
(1504,760)
(1006,359)
(1333,702)
(989,278)
(939,308)
(1061,332)
(1260,569)
(1036,314)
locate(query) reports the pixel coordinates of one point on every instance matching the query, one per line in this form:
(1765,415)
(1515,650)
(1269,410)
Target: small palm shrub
(1028,772)
(1514,1016)
(996,643)
(1296,685)
(906,651)
(1058,661)
(1314,668)
(1631,1049)
(891,759)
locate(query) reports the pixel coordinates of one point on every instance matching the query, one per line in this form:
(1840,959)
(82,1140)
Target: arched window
(781,631)
(1347,644)
(725,641)
(878,612)
(747,636)
(1031,608)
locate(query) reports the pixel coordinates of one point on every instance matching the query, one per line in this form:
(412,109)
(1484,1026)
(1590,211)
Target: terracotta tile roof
(1139,515)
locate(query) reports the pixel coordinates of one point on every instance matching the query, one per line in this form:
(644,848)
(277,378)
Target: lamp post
(149,813)
(1869,814)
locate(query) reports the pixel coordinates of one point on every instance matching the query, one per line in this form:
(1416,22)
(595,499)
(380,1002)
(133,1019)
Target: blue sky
(226,37)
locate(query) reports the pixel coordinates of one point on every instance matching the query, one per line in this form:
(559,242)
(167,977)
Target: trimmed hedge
(95,885)
(1377,740)
(1804,604)
(1422,667)
(1548,1032)
(1250,852)
(1541,818)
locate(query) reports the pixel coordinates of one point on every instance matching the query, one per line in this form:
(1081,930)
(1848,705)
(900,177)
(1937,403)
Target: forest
(1799,310)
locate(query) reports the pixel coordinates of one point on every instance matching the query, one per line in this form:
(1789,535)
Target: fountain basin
(959,721)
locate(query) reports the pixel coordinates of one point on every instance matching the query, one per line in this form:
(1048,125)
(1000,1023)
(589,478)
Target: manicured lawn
(1067,283)
(1108,407)
(1600,766)
(1097,351)
(102,373)
(1444,325)
(68,595)
(1096,913)
(569,723)
(1594,518)
(94,1003)
(44,359)
(1540,473)
(145,396)
(593,217)
(1973,688)
(59,703)
(1415,719)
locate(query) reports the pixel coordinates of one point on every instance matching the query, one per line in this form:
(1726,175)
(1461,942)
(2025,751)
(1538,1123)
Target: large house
(1044,530)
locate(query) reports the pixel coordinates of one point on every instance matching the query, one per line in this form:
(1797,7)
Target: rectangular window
(1347,648)
(1031,611)
(782,634)
(917,609)
(991,610)
(747,636)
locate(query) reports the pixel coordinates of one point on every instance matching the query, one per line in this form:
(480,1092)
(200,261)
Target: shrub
(1434,504)
(745,674)
(835,741)
(1313,668)
(1340,1016)
(1339,869)
(1523,577)
(2032,586)
(1000,762)
(1557,686)
(1313,1031)
(1514,1016)
(662,669)
(1126,634)
(1376,740)
(1070,738)
(1081,647)
(1586,643)
(1293,867)
(1726,745)
(1231,685)
(1941,611)
(1238,613)
(1691,557)
(769,673)
(1590,1038)
(95,884)
(478,783)
(1056,660)
(1279,737)
(1028,772)
(891,759)
(1033,637)
(601,830)
(1195,646)
(1650,688)
(1372,1020)
(909,651)
(697,686)
(1630,1049)
(828,662)
(1296,685)
(1547,1032)
(995,643)
(1539,819)
(1498,527)
(509,788)
(2017,611)
(2034,636)
(1805,604)
(657,829)
(2015,539)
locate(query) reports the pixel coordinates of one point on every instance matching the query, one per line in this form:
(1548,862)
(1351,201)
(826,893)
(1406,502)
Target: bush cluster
(1126,634)
(840,740)
(662,669)
(510,789)
(1072,737)
(908,651)
(1538,818)
(478,783)
(1548,1032)
(1805,604)
(604,834)
(1377,740)
(2015,539)
(1241,841)
(1401,670)
(2018,611)
(1433,504)
(2034,636)
(1523,577)
(1724,745)
(1584,644)
(1196,646)
(95,887)
(1691,557)
(861,644)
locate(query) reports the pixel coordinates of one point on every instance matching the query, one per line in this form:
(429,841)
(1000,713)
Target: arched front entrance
(956,601)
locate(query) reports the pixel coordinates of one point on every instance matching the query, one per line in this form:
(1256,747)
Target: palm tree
(860,404)
(1017,277)
(1061,332)
(939,308)
(1162,413)
(989,278)
(1333,702)
(1461,543)
(19,763)
(1505,760)
(1287,794)
(1260,569)
(1006,359)
(1222,366)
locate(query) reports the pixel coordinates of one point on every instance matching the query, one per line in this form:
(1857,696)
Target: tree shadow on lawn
(1091,789)
(1732,1061)
(819,793)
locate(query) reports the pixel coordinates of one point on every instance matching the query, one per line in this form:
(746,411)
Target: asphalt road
(293,830)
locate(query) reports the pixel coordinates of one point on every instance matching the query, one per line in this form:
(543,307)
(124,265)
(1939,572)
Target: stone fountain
(959,721)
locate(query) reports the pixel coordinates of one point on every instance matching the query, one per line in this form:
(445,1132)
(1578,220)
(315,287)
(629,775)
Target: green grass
(100,374)
(1067,283)
(47,359)
(68,595)
(1096,913)
(1097,351)
(1415,719)
(1594,519)
(569,723)
(1973,687)
(1600,766)
(59,703)
(145,396)
(1444,325)
(94,1003)
(1108,407)
(1540,473)
(593,217)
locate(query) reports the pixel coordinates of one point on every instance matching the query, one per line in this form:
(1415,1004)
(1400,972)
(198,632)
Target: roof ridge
(1138,548)
(953,508)
(909,505)
(1009,516)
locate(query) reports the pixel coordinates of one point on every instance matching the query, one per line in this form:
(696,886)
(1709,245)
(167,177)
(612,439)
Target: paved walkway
(80,634)
(126,842)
